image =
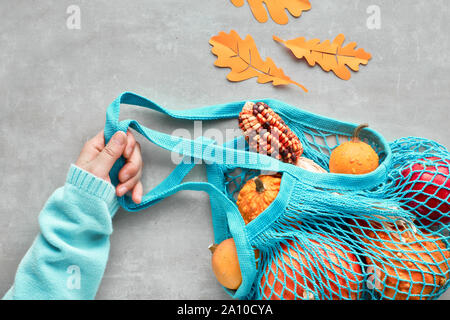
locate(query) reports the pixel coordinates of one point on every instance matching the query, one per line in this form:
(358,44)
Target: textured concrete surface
(55,85)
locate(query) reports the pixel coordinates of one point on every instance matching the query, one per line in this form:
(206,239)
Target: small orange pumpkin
(257,194)
(225,263)
(354,156)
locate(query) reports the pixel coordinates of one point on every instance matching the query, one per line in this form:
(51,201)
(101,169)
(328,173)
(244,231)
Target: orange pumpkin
(256,195)
(225,263)
(354,156)
(404,265)
(295,272)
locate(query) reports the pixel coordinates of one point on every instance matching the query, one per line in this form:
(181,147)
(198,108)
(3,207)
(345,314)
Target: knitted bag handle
(201,148)
(196,149)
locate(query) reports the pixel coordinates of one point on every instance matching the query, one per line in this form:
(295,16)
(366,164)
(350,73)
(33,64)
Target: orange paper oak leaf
(331,56)
(276,8)
(242,57)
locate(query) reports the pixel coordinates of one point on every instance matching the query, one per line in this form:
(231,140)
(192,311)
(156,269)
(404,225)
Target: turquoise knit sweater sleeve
(68,258)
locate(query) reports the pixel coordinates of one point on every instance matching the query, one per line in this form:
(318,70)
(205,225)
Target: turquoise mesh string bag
(382,235)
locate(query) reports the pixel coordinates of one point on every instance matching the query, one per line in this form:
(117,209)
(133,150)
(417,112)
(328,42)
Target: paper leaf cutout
(276,8)
(331,56)
(243,58)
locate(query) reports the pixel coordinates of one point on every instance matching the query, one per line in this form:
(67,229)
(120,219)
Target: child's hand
(98,159)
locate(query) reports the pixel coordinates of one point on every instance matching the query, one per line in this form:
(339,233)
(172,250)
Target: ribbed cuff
(93,185)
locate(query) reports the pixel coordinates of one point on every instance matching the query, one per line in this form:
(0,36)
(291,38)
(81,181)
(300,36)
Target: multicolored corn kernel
(267,133)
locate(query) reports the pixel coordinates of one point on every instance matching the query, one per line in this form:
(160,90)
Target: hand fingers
(131,143)
(105,160)
(123,188)
(98,141)
(132,166)
(91,149)
(138,190)
(131,172)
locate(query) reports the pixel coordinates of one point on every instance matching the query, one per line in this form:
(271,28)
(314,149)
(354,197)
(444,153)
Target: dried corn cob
(267,133)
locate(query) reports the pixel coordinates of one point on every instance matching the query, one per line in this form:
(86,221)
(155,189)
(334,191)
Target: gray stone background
(56,83)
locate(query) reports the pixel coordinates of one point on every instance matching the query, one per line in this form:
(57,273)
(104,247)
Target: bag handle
(201,148)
